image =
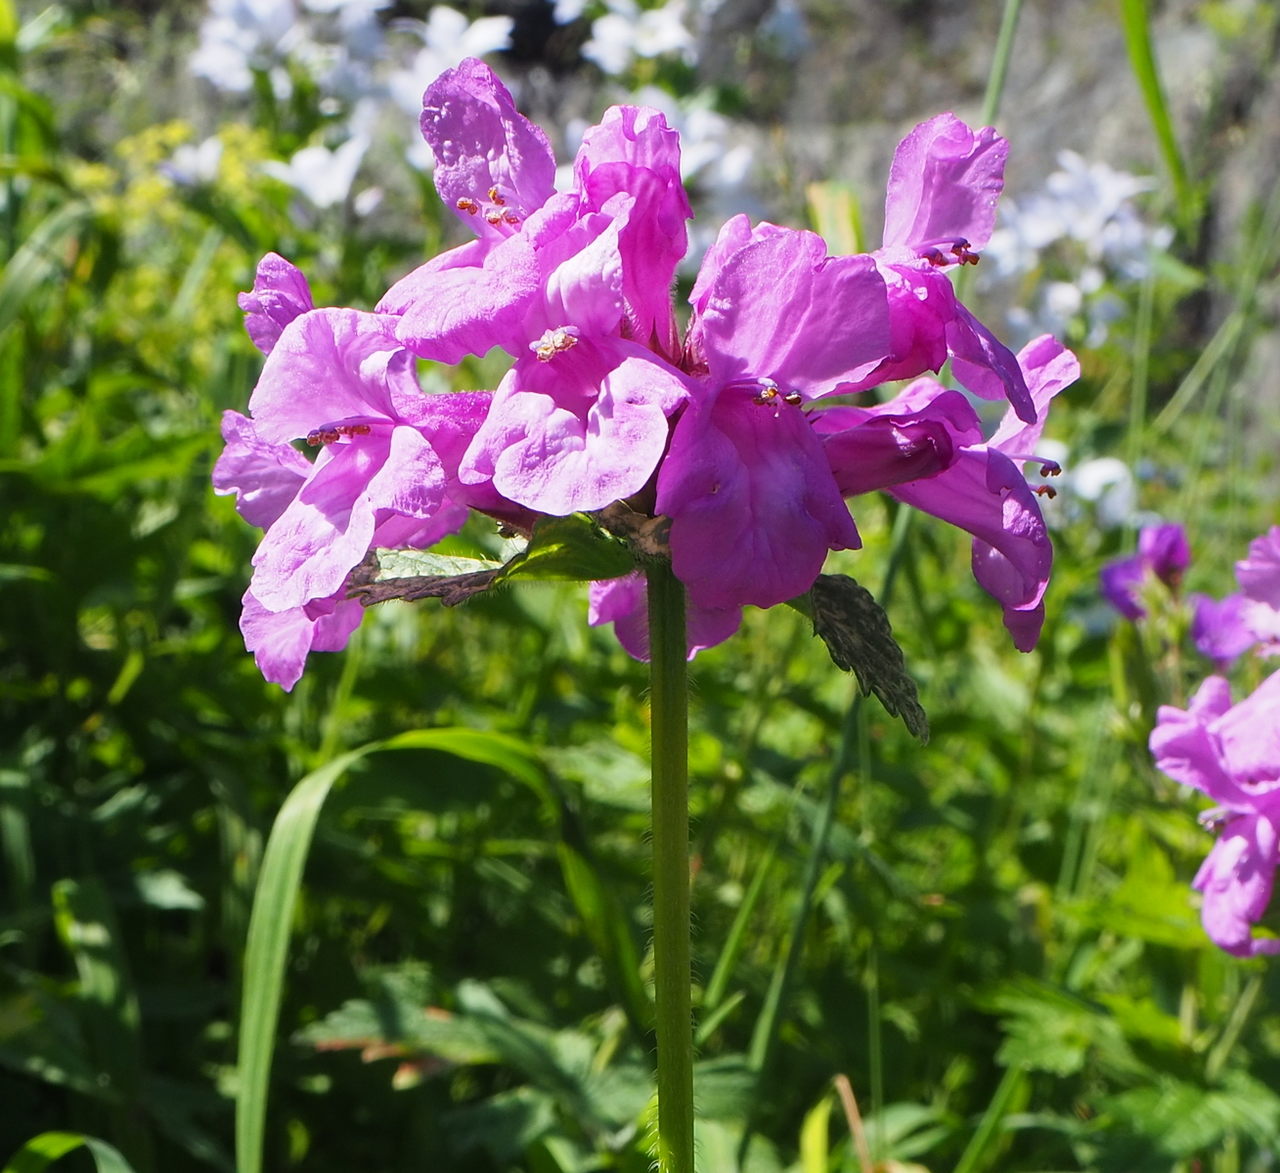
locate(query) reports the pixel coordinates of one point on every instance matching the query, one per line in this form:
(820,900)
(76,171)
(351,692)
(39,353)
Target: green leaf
(39,262)
(570,549)
(40,1152)
(87,925)
(276,897)
(856,631)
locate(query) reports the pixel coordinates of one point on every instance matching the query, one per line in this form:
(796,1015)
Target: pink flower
(974,484)
(1231,753)
(940,205)
(384,475)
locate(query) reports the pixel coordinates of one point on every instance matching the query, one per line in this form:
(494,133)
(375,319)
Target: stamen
(331,434)
(555,342)
(958,252)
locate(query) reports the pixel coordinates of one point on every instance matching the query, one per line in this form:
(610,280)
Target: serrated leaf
(570,549)
(860,640)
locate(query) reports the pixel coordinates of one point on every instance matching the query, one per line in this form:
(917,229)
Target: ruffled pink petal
(1237,879)
(330,367)
(280,293)
(754,507)
(281,640)
(944,184)
(577,432)
(1259,573)
(264,477)
(484,145)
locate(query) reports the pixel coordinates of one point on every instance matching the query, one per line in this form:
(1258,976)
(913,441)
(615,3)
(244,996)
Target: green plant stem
(669,705)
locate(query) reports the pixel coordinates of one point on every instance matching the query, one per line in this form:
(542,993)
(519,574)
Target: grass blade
(276,896)
(41,1151)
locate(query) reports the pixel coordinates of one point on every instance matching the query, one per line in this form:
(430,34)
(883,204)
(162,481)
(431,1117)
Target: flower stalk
(669,701)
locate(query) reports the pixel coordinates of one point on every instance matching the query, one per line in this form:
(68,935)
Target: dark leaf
(856,631)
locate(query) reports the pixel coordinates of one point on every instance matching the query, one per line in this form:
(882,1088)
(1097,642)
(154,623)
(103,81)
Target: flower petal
(780,308)
(944,183)
(578,432)
(483,144)
(754,507)
(280,293)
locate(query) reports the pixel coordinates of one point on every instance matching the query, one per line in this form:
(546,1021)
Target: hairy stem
(669,701)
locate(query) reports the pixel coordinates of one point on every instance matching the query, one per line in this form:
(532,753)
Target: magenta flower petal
(780,309)
(585,428)
(264,477)
(1165,550)
(944,183)
(281,640)
(1237,878)
(754,507)
(334,367)
(1120,583)
(280,293)
(985,493)
(463,310)
(875,448)
(634,151)
(1187,745)
(1219,628)
(494,168)
(624,603)
(986,366)
(1259,573)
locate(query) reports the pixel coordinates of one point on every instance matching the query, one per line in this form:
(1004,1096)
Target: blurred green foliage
(991,936)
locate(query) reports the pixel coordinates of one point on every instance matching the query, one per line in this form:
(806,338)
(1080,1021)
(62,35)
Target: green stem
(669,705)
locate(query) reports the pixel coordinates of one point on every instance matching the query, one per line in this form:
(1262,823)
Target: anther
(493,216)
(330,435)
(468,205)
(554,342)
(495,197)
(1045,491)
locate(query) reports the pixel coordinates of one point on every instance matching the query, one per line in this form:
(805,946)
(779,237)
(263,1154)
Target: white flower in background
(627,31)
(1104,483)
(1089,203)
(238,37)
(446,37)
(564,11)
(194,163)
(335,41)
(1084,219)
(323,176)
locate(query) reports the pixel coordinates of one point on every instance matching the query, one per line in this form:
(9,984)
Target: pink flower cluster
(729,429)
(1231,753)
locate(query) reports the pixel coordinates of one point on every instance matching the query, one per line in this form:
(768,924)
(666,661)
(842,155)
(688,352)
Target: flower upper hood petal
(944,184)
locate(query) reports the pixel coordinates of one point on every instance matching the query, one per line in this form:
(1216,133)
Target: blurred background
(991,936)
